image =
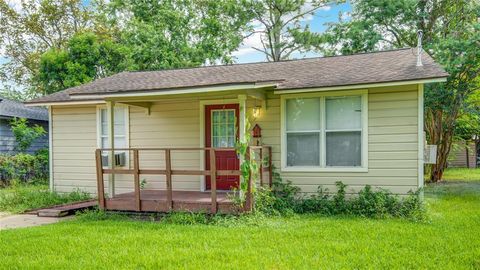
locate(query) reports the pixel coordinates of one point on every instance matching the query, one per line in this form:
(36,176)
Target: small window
(120,134)
(223,128)
(324,131)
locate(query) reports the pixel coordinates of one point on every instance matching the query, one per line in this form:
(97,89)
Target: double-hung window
(325,132)
(120,131)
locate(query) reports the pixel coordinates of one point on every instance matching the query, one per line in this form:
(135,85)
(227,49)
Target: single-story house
(356,119)
(9,110)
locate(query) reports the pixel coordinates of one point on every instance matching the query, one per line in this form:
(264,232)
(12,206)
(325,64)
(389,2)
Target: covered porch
(175,150)
(169,199)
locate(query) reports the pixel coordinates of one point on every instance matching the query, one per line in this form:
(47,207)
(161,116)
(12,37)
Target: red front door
(221,131)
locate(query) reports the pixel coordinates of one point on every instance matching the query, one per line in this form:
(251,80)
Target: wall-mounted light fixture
(256,111)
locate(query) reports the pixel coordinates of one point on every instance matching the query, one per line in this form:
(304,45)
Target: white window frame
(212,124)
(127,129)
(363,93)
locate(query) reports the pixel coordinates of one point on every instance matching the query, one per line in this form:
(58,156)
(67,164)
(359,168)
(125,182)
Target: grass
(450,240)
(462,174)
(19,198)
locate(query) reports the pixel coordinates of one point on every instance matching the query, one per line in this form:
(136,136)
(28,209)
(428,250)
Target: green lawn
(462,174)
(450,240)
(20,197)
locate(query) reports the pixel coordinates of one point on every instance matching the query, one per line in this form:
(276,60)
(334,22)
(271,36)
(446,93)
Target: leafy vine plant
(248,164)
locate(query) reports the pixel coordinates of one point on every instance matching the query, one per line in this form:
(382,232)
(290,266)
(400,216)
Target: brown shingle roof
(378,67)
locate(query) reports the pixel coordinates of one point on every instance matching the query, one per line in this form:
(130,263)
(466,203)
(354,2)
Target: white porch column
(50,149)
(242,114)
(242,123)
(111,144)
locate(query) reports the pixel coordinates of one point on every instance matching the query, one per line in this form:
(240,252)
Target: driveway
(8,221)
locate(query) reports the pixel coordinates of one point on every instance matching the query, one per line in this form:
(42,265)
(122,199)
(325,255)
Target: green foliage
(85,57)
(30,28)
(284,198)
(451,35)
(450,240)
(468,123)
(284,29)
(19,197)
(462,174)
(25,134)
(172,34)
(24,168)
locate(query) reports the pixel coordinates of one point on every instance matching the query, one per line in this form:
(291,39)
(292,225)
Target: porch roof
(358,69)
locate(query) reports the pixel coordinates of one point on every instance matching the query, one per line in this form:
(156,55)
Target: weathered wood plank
(168,174)
(213,181)
(136,177)
(100,184)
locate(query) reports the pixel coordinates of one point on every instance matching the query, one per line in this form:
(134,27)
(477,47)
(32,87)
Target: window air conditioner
(430,154)
(120,159)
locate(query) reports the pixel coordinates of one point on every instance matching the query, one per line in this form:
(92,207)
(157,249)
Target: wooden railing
(213,172)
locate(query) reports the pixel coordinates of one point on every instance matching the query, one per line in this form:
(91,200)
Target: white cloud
(345,15)
(254,41)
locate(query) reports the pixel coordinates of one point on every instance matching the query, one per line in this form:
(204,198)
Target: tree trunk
(440,129)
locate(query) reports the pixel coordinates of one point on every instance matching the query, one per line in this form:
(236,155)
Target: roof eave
(361,86)
(176,91)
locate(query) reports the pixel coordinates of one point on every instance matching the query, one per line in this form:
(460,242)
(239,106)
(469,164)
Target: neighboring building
(10,109)
(356,119)
(465,157)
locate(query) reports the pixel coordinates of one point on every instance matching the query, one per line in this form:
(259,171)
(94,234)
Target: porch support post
(111,145)
(213,181)
(242,123)
(249,197)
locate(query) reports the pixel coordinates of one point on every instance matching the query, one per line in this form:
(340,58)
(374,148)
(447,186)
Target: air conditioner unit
(430,154)
(120,159)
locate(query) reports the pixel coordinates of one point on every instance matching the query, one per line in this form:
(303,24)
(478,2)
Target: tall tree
(451,31)
(85,57)
(30,28)
(283,25)
(172,33)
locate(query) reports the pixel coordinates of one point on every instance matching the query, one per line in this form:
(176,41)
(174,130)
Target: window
(120,131)
(325,131)
(223,128)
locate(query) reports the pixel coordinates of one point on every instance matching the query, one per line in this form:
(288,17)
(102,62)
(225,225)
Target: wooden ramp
(64,209)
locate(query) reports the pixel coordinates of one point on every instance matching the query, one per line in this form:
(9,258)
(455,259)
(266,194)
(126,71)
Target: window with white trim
(324,131)
(120,130)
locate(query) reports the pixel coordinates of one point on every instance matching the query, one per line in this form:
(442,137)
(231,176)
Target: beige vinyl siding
(74,137)
(392,149)
(175,122)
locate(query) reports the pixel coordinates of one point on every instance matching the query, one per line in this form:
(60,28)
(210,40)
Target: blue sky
(317,22)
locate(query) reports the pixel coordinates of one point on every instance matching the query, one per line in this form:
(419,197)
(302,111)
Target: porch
(212,200)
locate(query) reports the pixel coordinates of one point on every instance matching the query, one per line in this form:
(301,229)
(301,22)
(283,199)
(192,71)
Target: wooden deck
(156,201)
(168,200)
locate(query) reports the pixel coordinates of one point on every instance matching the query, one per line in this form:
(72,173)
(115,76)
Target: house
(465,155)
(356,119)
(10,109)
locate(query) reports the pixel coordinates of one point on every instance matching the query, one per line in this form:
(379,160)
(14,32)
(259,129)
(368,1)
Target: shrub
(24,167)
(25,134)
(283,199)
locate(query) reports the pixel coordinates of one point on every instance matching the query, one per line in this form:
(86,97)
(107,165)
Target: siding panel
(176,123)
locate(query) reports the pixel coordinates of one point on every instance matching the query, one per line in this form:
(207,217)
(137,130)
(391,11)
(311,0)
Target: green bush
(24,167)
(25,134)
(284,198)
(19,198)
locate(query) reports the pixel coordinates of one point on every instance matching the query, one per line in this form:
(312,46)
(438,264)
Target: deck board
(156,201)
